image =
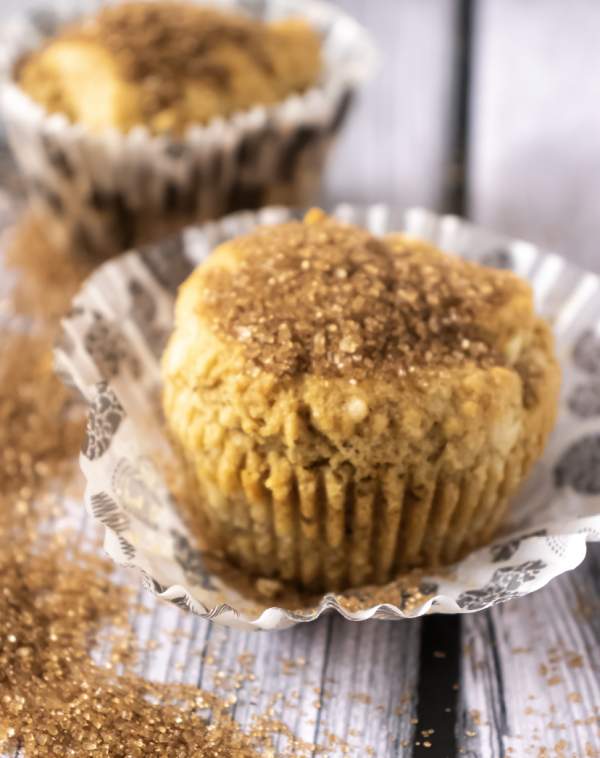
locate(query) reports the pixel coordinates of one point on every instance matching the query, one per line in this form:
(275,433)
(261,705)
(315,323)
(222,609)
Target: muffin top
(321,340)
(168,65)
(324,298)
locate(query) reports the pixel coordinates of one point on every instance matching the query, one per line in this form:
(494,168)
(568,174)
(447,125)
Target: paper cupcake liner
(323,528)
(110,351)
(103,193)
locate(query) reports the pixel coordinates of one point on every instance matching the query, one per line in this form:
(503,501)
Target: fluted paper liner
(102,193)
(110,351)
(325,529)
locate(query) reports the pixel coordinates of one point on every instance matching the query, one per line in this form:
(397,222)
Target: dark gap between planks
(437,697)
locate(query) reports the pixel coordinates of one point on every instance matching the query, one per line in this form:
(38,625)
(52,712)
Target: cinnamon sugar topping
(328,298)
(176,39)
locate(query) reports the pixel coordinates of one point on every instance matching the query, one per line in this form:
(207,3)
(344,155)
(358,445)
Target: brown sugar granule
(328,298)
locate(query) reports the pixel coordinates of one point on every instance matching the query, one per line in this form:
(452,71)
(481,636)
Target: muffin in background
(349,407)
(151,115)
(169,65)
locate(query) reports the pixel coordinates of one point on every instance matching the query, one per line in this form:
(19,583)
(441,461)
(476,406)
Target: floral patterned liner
(110,349)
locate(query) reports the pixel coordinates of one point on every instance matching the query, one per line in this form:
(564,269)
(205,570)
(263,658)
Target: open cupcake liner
(110,350)
(102,193)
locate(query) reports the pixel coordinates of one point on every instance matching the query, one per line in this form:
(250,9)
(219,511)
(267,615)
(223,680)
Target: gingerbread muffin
(133,122)
(167,65)
(348,406)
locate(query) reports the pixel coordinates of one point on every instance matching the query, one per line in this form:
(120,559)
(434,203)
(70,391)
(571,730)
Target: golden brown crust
(330,480)
(322,297)
(176,62)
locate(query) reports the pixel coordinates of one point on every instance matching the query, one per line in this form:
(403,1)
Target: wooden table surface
(489,109)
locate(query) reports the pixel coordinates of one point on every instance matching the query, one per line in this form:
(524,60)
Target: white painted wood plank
(281,671)
(534,152)
(530,672)
(370,686)
(530,680)
(347,686)
(396,145)
(12,7)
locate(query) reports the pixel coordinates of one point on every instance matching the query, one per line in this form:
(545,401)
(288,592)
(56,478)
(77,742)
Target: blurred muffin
(152,115)
(168,65)
(349,407)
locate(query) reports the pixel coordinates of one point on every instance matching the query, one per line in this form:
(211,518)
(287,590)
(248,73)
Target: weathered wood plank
(530,672)
(277,672)
(535,123)
(346,686)
(397,145)
(370,685)
(530,681)
(11,7)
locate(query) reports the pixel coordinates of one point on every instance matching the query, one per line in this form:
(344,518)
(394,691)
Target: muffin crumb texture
(169,65)
(351,407)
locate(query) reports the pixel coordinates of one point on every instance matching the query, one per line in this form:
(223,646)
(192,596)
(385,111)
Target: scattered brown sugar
(57,701)
(58,598)
(37,435)
(47,278)
(328,298)
(408,591)
(40,428)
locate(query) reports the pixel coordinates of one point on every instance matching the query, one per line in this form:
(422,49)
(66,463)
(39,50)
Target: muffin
(169,65)
(349,407)
(151,115)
